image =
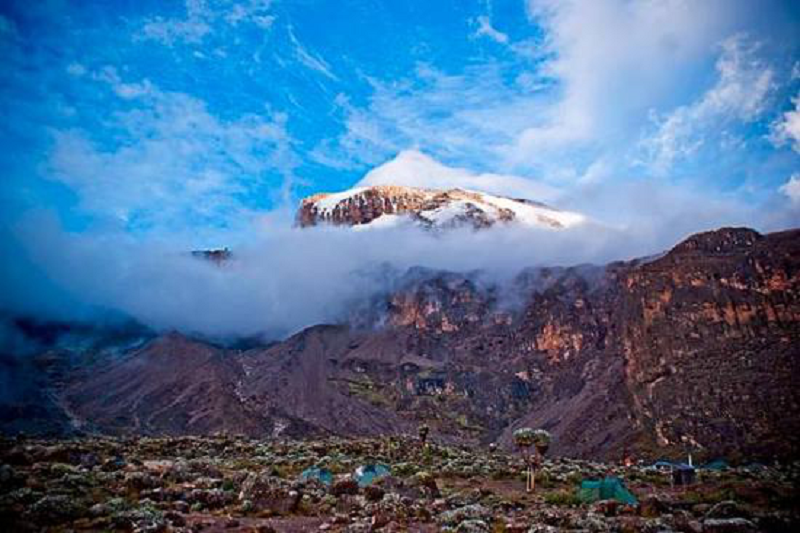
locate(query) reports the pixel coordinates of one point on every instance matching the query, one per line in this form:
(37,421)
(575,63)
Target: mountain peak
(723,240)
(389,205)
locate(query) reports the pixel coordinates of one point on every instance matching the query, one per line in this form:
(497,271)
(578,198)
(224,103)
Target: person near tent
(627,460)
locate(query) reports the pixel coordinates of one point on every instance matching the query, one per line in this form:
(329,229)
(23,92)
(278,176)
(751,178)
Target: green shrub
(545,480)
(563,498)
(710,497)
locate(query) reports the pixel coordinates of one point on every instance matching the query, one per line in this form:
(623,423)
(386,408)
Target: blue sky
(195,118)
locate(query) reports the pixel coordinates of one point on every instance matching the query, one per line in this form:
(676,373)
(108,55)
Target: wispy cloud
(191,28)
(484,28)
(740,95)
(201,18)
(172,161)
(308,59)
(468,116)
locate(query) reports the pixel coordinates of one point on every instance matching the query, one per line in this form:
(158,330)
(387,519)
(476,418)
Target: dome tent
(610,488)
(367,474)
(322,474)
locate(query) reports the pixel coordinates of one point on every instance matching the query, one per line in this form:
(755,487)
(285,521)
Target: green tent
(716,464)
(610,488)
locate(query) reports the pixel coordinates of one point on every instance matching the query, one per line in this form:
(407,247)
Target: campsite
(235,484)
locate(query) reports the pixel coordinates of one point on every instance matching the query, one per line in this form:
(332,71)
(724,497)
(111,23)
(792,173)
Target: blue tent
(322,474)
(367,474)
(662,464)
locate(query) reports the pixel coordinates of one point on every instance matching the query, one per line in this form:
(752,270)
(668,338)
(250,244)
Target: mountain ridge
(695,350)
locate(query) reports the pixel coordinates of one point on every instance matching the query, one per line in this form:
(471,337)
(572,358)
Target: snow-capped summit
(412,168)
(414,188)
(383,205)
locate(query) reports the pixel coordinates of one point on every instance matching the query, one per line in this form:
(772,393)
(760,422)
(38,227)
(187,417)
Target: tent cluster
(534,444)
(684,473)
(364,474)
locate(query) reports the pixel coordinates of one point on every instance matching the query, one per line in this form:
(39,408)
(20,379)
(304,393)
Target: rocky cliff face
(698,350)
(385,205)
(711,339)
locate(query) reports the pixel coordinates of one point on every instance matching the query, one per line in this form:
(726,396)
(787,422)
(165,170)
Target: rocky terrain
(226,483)
(695,351)
(387,205)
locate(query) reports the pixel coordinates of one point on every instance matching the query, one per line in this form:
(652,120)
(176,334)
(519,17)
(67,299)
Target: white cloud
(201,18)
(414,169)
(485,29)
(172,162)
(255,11)
(741,93)
(192,29)
(792,189)
(787,128)
(600,69)
(613,60)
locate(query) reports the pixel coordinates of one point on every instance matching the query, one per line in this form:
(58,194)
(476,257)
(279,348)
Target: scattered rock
(55,509)
(268,493)
(473,526)
(346,485)
(607,507)
(468,512)
(728,525)
(652,506)
(373,493)
(727,509)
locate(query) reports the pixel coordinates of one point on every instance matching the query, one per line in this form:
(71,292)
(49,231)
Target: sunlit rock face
(711,340)
(388,205)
